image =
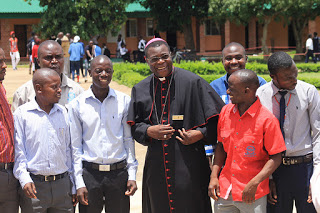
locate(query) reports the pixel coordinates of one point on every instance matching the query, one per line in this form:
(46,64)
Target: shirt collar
(252,109)
(275,89)
(64,80)
(89,93)
(35,106)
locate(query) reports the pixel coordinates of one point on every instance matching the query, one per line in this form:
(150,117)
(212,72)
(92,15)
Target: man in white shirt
(309,49)
(50,55)
(104,155)
(141,46)
(297,106)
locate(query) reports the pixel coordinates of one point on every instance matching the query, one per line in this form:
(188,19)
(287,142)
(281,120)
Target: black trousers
(9,197)
(292,184)
(106,189)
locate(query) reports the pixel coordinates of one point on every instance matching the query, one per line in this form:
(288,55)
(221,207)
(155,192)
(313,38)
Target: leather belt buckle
(284,162)
(47,178)
(5,166)
(104,168)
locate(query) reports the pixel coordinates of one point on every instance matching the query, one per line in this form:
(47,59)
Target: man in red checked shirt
(8,184)
(250,146)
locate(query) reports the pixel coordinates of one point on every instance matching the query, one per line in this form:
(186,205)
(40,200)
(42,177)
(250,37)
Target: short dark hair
(248,78)
(279,60)
(315,34)
(46,43)
(234,44)
(156,44)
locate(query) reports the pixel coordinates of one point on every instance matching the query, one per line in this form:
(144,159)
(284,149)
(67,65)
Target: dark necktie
(282,110)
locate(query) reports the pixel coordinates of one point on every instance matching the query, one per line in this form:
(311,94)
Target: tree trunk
(265,50)
(188,36)
(298,25)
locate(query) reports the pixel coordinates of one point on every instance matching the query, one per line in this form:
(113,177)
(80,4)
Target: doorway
(21,34)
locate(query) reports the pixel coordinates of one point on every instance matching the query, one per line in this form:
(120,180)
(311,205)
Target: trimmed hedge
(130,74)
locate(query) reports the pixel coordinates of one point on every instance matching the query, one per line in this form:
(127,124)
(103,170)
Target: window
(131,28)
(149,25)
(212,28)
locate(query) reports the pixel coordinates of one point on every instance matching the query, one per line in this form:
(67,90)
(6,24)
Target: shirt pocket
(225,139)
(252,146)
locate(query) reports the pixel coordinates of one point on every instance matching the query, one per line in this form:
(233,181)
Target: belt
(6,166)
(44,178)
(287,161)
(104,167)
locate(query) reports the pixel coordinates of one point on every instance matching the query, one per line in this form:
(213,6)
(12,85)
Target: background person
(50,55)
(14,52)
(75,51)
(309,50)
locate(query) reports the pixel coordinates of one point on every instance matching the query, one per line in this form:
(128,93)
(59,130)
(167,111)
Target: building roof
(136,10)
(22,9)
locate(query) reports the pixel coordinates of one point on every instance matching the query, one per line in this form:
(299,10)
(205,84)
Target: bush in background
(130,74)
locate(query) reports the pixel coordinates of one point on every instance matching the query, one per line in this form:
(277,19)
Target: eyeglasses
(51,57)
(99,71)
(156,59)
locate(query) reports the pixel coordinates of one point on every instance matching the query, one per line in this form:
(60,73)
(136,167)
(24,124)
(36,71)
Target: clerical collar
(164,78)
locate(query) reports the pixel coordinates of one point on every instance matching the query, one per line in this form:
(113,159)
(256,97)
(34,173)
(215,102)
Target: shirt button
(233,175)
(252,141)
(235,147)
(234,161)
(237,133)
(239,119)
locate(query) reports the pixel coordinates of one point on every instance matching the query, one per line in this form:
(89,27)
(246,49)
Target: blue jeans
(292,184)
(74,66)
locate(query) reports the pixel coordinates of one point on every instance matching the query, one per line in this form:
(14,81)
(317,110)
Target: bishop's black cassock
(176,176)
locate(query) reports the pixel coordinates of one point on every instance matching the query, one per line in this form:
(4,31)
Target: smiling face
(101,72)
(3,65)
(286,78)
(159,60)
(234,58)
(51,56)
(236,90)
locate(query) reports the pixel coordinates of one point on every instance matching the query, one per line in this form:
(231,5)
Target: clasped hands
(165,132)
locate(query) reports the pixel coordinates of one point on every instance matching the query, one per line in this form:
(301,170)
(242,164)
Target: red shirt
(248,141)
(35,51)
(6,129)
(13,44)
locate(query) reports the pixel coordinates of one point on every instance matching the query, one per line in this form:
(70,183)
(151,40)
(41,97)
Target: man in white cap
(75,51)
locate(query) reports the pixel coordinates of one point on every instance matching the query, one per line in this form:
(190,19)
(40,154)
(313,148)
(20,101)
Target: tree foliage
(85,18)
(176,15)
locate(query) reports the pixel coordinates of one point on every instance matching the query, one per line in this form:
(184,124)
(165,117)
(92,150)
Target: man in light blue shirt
(43,148)
(104,155)
(76,51)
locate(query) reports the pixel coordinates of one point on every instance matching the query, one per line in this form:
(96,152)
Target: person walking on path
(14,52)
(309,50)
(75,51)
